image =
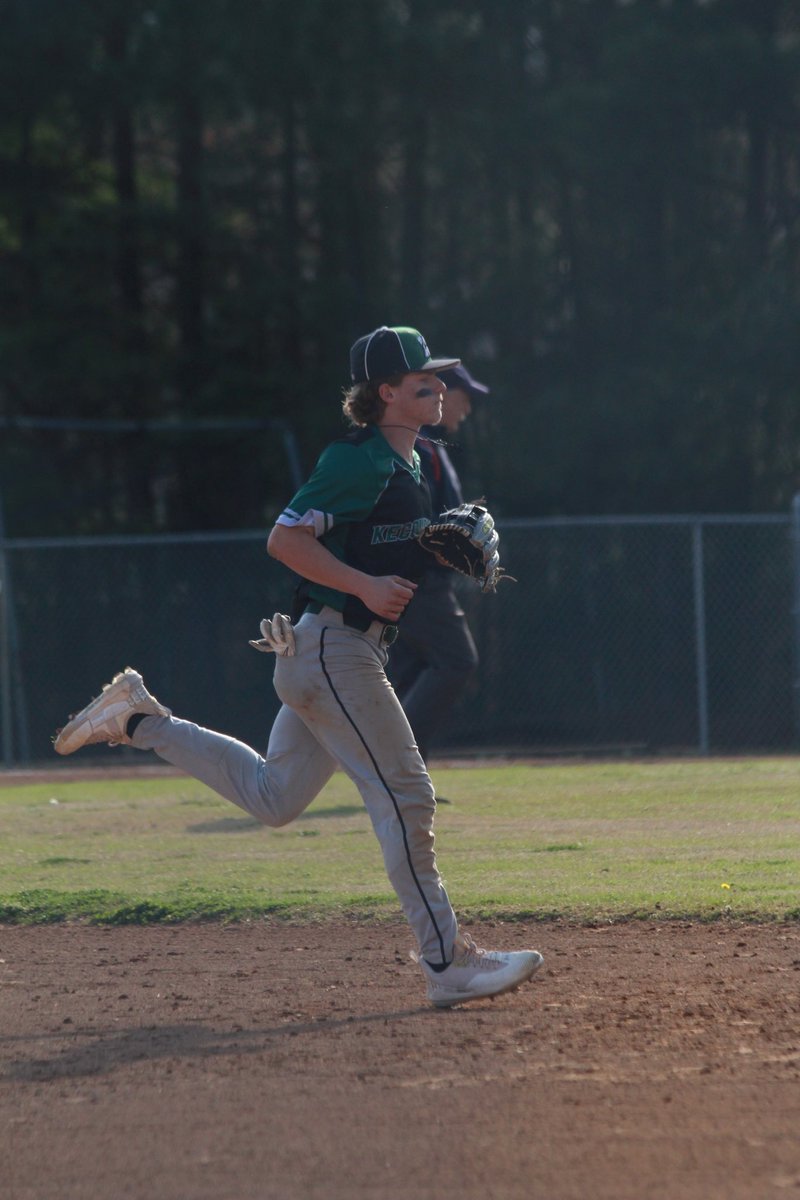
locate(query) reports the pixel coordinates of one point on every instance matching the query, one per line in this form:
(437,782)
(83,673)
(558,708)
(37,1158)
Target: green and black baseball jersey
(367,505)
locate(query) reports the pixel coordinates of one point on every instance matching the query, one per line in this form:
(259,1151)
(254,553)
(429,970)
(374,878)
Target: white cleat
(106,718)
(474,973)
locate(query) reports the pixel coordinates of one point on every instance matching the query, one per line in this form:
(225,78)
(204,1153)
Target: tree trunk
(415,139)
(763,18)
(123,150)
(28,223)
(190,216)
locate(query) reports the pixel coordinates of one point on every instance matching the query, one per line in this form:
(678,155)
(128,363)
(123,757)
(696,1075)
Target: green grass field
(589,841)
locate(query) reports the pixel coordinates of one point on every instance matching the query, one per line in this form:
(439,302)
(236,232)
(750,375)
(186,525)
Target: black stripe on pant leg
(389,791)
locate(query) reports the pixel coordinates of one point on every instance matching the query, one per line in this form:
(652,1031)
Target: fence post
(796,612)
(5,649)
(698,587)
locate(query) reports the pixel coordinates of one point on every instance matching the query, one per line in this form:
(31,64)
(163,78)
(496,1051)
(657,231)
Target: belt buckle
(389,634)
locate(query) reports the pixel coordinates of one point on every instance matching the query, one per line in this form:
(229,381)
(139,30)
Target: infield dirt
(271,1061)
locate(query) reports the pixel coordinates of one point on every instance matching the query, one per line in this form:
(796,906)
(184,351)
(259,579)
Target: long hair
(362,404)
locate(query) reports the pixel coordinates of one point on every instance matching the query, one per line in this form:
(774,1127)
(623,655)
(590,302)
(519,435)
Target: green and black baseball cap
(395,350)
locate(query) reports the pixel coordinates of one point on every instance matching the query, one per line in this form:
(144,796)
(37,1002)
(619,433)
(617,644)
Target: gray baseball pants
(338,709)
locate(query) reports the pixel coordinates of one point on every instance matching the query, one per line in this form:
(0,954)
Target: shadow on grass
(239,824)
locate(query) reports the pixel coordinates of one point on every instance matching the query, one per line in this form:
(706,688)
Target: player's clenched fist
(387,595)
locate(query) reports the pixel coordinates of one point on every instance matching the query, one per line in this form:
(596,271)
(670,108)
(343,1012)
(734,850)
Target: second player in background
(435,655)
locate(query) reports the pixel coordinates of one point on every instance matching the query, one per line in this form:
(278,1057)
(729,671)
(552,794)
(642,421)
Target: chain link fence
(637,635)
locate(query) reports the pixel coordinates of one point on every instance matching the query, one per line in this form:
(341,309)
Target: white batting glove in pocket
(277,636)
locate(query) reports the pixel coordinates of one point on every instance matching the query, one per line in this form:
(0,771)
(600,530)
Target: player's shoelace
(471,955)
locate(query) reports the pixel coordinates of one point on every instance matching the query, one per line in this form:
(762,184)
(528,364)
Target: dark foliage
(202,205)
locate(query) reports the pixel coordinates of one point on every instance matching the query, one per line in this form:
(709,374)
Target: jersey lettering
(398,533)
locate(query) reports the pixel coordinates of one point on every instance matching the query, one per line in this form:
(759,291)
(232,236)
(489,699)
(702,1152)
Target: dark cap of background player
(459,377)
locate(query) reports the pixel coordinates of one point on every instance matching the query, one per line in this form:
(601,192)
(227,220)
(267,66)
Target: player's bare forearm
(297,548)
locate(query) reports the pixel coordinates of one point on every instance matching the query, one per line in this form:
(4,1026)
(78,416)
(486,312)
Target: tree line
(202,204)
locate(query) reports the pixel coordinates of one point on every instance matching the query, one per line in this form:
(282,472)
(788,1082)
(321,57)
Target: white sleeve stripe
(321,522)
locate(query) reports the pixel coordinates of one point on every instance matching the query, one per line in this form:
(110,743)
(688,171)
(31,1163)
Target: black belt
(388,633)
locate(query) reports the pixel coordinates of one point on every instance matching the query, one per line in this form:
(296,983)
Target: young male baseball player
(351,533)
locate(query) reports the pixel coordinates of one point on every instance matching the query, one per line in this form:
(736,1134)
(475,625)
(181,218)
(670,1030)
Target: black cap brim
(439,364)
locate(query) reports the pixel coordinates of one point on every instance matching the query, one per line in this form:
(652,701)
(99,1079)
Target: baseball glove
(276,635)
(465,539)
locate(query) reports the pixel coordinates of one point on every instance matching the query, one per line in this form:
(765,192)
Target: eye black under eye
(425,391)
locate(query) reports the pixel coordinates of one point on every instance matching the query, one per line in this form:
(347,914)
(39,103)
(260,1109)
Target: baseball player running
(351,534)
